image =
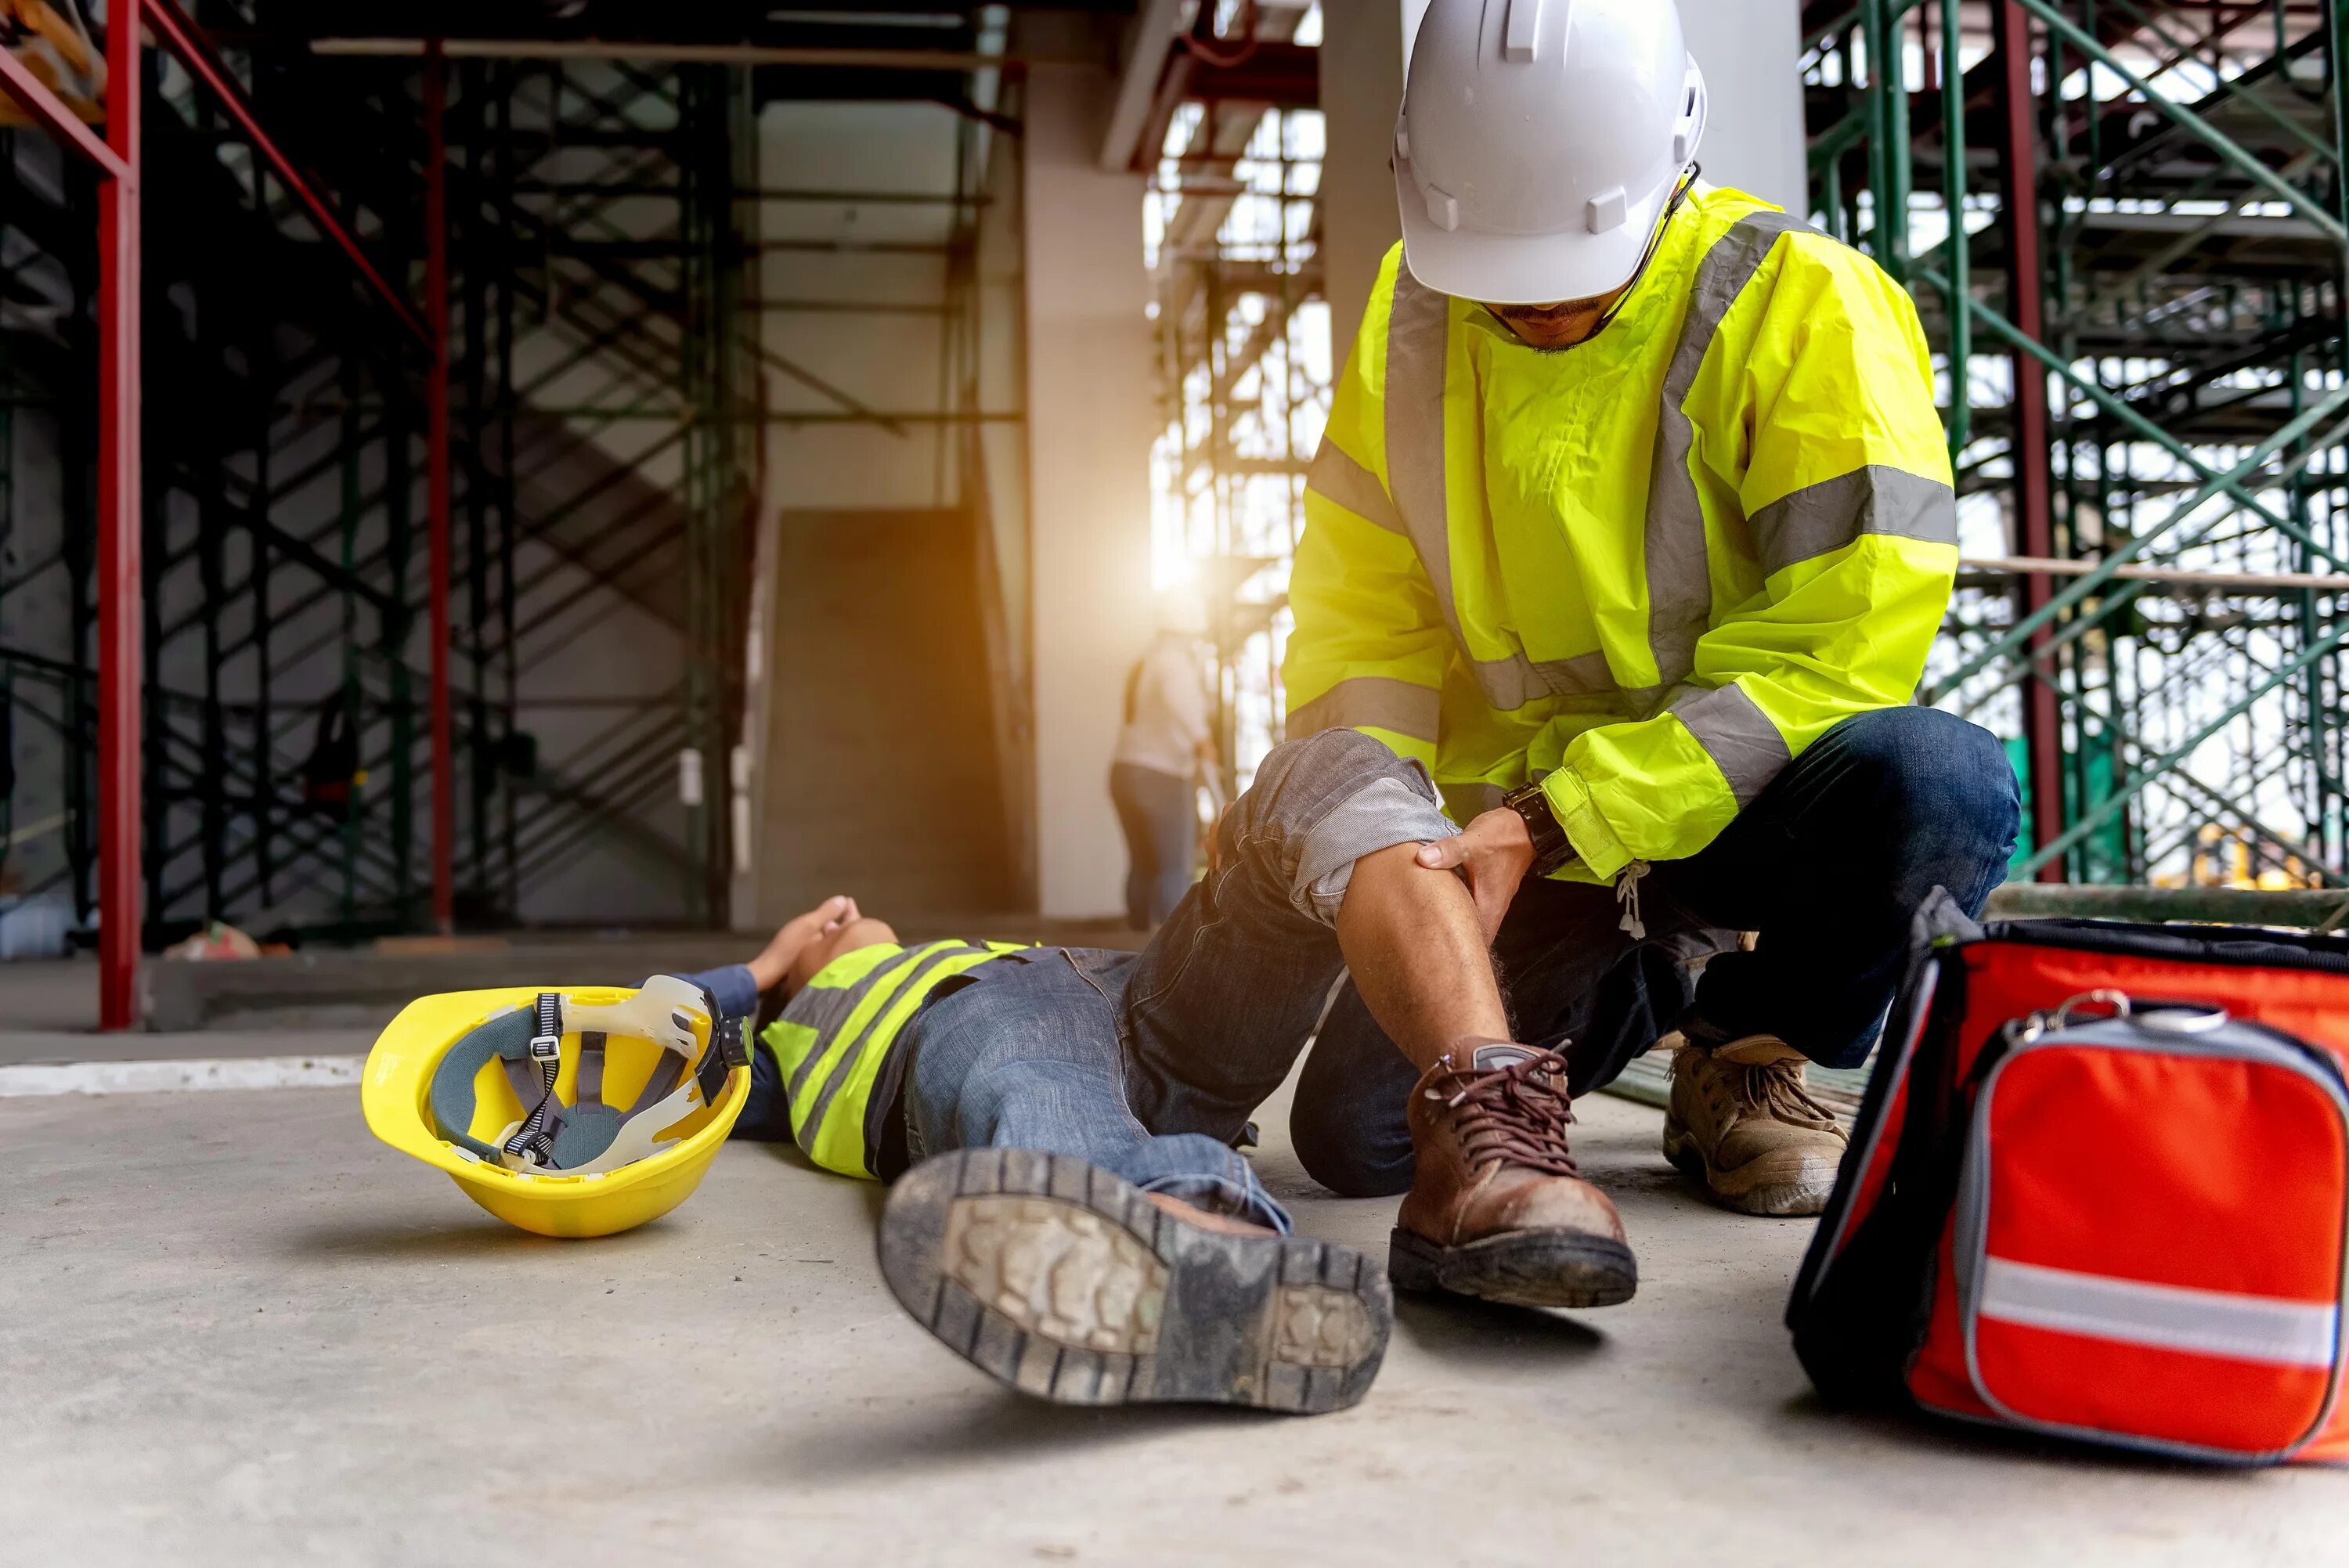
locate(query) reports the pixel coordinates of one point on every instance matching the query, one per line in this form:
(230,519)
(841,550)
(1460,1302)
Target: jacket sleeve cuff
(735,992)
(1593,839)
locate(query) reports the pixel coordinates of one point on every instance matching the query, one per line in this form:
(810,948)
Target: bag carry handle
(2163,1019)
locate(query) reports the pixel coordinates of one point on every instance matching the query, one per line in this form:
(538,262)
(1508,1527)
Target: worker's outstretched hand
(1493,852)
(824,919)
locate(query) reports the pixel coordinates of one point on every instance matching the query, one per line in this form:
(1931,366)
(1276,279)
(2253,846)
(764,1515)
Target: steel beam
(2033,512)
(121,656)
(436,484)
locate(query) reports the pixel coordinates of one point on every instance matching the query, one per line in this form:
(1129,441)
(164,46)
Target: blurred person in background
(1166,748)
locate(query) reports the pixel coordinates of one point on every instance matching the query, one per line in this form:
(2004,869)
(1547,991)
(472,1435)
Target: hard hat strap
(533,1140)
(1647,257)
(727,1050)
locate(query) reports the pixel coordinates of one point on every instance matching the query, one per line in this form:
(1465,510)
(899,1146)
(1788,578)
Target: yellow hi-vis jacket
(1648,570)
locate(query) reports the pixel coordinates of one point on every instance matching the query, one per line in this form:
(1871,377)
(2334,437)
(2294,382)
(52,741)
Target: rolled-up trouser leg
(1224,997)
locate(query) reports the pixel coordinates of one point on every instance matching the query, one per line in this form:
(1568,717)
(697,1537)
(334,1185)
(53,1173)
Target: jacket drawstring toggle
(1626,894)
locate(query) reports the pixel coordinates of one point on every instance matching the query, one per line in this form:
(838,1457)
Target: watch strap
(1552,849)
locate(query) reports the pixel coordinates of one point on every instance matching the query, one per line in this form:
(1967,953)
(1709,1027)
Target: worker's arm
(1370,645)
(1814,412)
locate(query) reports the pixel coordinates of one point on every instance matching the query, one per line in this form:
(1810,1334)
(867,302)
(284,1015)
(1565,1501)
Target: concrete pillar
(1362,88)
(1754,136)
(1091,415)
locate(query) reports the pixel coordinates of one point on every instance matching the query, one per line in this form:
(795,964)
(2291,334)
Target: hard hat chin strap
(533,1141)
(1646,258)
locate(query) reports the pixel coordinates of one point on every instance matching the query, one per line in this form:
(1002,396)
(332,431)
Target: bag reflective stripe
(2167,1317)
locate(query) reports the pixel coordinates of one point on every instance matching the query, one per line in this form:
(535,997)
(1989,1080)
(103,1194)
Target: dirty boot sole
(1518,1268)
(1787,1184)
(1066,1283)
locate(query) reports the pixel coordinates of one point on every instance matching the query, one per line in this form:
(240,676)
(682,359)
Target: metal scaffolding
(1234,238)
(366,515)
(2144,311)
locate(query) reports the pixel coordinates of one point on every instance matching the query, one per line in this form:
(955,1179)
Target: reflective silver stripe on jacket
(1336,476)
(1379,701)
(1418,336)
(1737,735)
(1826,517)
(928,959)
(1679,581)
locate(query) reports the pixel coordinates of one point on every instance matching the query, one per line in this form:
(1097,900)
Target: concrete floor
(235,1329)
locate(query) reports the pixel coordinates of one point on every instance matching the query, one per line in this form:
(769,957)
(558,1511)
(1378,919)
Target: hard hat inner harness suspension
(591,1133)
(533,1140)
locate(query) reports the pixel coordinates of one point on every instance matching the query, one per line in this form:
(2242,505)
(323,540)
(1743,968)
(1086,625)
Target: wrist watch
(1551,848)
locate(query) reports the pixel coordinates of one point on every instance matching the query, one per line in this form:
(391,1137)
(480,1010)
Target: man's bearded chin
(1569,320)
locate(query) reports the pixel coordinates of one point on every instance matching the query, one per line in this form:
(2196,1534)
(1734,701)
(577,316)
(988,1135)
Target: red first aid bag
(2099,1189)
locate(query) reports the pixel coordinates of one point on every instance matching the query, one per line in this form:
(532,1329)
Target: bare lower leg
(1412,940)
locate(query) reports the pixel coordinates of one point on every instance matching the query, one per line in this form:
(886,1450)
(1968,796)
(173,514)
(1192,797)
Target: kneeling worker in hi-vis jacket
(1627,537)
(1034,1226)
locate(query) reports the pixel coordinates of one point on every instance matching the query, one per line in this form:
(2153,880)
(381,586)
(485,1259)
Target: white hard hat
(1538,142)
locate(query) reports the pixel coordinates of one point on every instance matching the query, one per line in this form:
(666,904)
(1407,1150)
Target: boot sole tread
(1067,1283)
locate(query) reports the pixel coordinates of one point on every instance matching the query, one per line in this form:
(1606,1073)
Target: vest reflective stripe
(1377,701)
(829,1008)
(808,1127)
(1679,580)
(836,1044)
(1737,735)
(1824,517)
(1335,476)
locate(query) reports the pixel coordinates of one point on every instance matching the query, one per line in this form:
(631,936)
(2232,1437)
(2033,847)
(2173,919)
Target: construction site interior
(542,491)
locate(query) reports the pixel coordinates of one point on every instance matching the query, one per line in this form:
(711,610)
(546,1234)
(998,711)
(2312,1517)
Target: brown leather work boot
(1743,1125)
(1496,1209)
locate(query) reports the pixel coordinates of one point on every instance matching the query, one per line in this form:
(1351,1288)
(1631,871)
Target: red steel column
(2043,729)
(120,618)
(436,438)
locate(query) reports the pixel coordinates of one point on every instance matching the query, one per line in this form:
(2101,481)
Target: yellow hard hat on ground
(571,1112)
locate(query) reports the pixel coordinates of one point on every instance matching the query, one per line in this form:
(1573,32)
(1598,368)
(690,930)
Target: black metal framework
(597,247)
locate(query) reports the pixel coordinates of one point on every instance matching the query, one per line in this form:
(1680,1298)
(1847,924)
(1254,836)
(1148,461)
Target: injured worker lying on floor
(1035,1226)
(1072,1212)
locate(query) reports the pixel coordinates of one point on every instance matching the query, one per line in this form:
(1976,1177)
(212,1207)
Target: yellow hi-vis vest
(1648,570)
(838,1044)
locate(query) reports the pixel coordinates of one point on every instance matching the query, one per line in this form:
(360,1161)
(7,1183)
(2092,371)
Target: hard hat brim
(1524,269)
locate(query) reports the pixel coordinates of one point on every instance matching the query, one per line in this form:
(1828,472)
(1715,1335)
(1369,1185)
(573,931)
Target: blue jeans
(1828,864)
(1160,815)
(1023,1052)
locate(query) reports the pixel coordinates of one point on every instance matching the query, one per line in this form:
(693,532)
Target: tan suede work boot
(1742,1123)
(1496,1209)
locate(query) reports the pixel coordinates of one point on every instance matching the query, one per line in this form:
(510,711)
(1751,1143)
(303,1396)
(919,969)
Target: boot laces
(1774,1090)
(1516,1114)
